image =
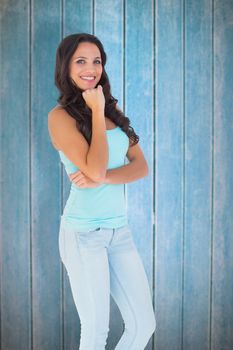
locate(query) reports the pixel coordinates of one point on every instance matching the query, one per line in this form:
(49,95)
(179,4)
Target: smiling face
(86,66)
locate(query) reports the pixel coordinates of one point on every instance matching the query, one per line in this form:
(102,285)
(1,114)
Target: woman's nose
(90,66)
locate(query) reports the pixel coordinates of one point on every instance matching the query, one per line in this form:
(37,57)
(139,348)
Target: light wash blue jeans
(100,262)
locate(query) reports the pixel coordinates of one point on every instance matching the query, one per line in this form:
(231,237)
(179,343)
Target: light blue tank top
(103,206)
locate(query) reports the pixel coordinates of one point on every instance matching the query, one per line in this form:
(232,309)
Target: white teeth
(88,78)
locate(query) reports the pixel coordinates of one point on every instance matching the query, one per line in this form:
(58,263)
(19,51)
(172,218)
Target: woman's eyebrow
(85,57)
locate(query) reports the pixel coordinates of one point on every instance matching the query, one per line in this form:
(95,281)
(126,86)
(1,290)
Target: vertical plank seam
(30,170)
(1,202)
(153,159)
(183,173)
(1,175)
(123,81)
(93,17)
(62,303)
(123,55)
(212,183)
(155,164)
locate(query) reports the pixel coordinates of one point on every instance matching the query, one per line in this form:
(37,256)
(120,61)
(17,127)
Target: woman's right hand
(83,181)
(94,98)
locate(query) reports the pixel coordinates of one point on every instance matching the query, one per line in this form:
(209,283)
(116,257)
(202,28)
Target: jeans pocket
(91,238)
(88,231)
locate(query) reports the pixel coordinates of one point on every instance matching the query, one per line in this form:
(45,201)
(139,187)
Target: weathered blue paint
(222,251)
(197,174)
(169,174)
(139,104)
(15,232)
(45,180)
(170,67)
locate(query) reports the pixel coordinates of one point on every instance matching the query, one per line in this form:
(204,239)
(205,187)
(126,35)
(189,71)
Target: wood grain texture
(16,302)
(45,180)
(222,278)
(139,108)
(169,174)
(197,174)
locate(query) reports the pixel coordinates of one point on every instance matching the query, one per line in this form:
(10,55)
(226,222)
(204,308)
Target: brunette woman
(93,137)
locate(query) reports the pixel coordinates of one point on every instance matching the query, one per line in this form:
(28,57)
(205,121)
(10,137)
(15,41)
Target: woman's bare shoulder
(60,126)
(55,109)
(58,112)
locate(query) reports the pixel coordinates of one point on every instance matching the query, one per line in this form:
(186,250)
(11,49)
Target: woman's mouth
(88,79)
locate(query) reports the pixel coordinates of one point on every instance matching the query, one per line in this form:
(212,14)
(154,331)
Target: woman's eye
(79,61)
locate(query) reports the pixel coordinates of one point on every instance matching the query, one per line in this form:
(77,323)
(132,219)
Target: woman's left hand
(82,181)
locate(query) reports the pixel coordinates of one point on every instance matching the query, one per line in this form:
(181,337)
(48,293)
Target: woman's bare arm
(91,160)
(136,169)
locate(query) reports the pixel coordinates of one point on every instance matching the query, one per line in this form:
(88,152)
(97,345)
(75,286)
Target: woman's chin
(89,86)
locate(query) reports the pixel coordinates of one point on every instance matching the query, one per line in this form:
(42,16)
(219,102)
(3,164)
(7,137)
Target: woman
(96,245)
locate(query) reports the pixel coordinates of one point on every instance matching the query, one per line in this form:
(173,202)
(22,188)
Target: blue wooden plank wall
(170,67)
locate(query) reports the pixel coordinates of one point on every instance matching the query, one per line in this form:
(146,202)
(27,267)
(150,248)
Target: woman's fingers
(82,181)
(78,178)
(75,175)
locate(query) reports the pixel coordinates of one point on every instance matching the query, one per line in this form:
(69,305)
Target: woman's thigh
(86,263)
(129,284)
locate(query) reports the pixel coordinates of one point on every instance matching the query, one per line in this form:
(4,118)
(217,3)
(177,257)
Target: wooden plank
(169,174)
(139,109)
(77,18)
(45,177)
(109,19)
(222,300)
(138,85)
(108,27)
(198,175)
(15,189)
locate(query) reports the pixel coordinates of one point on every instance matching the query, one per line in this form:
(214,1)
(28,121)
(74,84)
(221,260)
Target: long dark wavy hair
(71,98)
